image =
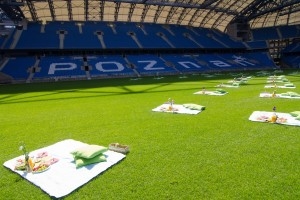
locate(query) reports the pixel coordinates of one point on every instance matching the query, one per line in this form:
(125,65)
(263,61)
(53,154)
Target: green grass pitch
(217,154)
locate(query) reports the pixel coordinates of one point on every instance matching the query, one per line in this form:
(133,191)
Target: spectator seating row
(111,35)
(292,61)
(93,66)
(276,33)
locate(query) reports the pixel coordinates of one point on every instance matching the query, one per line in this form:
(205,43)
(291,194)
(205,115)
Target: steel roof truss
(52,9)
(144,13)
(131,9)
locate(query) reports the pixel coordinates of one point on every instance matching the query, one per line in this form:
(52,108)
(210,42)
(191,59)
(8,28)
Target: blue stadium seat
(268,33)
(261,44)
(185,63)
(17,67)
(291,31)
(147,35)
(34,38)
(147,64)
(109,66)
(292,61)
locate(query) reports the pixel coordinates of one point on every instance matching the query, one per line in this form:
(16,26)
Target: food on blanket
(20,165)
(40,168)
(37,164)
(168,108)
(273,118)
(281,120)
(31,163)
(42,154)
(263,118)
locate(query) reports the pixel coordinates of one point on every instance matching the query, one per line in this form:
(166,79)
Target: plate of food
(40,168)
(20,165)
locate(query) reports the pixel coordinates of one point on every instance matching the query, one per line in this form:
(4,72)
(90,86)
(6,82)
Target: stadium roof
(198,13)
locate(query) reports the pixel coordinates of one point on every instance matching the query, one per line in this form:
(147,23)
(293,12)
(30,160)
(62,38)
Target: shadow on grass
(15,93)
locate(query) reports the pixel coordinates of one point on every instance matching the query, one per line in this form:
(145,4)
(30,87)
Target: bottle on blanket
(274,116)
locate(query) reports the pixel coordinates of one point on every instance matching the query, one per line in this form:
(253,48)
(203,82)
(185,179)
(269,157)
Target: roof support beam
(259,8)
(86,10)
(32,11)
(209,15)
(206,4)
(157,13)
(117,8)
(144,13)
(69,6)
(101,13)
(131,9)
(184,13)
(171,13)
(52,11)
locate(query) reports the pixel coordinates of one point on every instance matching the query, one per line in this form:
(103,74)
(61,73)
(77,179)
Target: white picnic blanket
(276,81)
(268,95)
(278,86)
(62,177)
(216,93)
(276,77)
(227,86)
(177,108)
(282,118)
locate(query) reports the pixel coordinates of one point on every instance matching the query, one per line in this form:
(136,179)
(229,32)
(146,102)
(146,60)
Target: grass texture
(217,154)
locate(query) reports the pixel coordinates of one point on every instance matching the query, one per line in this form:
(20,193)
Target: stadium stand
(121,35)
(18,67)
(261,44)
(290,55)
(105,44)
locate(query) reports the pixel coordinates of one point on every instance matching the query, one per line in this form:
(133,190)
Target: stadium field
(217,154)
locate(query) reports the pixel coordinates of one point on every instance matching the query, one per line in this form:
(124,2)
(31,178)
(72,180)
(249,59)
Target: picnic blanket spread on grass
(287,95)
(277,81)
(280,86)
(189,108)
(62,177)
(216,93)
(282,118)
(228,85)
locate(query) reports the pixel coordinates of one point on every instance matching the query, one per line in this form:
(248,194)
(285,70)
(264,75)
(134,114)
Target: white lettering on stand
(187,64)
(242,61)
(150,65)
(61,67)
(113,66)
(219,63)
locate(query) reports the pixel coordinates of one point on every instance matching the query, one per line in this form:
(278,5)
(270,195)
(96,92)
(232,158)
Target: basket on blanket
(119,148)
